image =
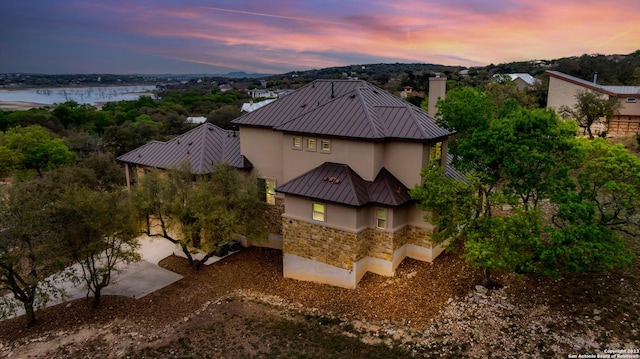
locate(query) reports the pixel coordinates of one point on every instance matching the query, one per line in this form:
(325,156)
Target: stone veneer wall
(343,249)
(274,216)
(319,243)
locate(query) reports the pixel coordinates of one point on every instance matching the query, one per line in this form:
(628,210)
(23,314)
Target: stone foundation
(274,216)
(323,254)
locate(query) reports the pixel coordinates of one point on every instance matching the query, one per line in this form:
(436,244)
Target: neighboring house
(262,93)
(200,149)
(563,89)
(523,81)
(338,158)
(196,120)
(252,106)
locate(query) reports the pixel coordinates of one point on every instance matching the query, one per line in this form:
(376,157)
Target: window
(311,144)
(325,145)
(270,189)
(319,212)
(631,100)
(435,152)
(297,142)
(381,218)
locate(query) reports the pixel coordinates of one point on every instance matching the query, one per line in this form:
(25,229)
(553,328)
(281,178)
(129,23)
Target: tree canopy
(517,159)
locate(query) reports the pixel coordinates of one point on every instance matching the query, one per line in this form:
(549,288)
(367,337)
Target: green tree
(517,158)
(100,232)
(35,148)
(202,212)
(591,108)
(30,252)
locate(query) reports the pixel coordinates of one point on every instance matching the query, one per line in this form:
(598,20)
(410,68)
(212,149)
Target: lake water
(82,95)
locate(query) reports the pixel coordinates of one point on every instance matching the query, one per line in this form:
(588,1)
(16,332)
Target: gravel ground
(425,310)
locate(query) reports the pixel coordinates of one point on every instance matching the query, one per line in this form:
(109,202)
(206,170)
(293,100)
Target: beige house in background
(563,89)
(338,158)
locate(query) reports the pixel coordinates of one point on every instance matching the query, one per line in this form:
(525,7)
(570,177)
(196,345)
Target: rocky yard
(242,307)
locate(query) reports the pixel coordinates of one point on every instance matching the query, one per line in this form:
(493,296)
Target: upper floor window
(381,218)
(435,152)
(297,142)
(319,212)
(270,189)
(325,146)
(311,144)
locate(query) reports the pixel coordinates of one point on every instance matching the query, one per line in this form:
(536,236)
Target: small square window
(319,212)
(325,145)
(270,186)
(381,218)
(297,142)
(311,144)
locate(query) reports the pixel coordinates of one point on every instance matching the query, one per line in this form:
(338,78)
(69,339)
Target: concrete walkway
(134,280)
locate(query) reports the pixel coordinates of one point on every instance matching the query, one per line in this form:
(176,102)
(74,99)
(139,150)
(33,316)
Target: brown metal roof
(201,148)
(338,183)
(346,108)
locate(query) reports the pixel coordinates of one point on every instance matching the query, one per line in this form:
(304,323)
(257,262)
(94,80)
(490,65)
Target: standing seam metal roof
(201,148)
(346,108)
(338,183)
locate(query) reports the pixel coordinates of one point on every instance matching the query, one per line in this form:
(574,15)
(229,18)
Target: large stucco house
(563,89)
(338,158)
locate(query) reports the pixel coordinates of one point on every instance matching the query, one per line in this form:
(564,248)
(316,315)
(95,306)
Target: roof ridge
(368,113)
(311,109)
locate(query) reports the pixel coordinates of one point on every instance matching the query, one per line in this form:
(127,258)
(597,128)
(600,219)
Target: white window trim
(324,211)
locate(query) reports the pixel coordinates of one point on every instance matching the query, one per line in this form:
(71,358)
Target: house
(200,148)
(262,93)
(563,89)
(338,158)
(252,106)
(523,81)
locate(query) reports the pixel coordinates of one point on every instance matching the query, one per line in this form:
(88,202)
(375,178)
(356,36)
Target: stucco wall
(263,148)
(359,155)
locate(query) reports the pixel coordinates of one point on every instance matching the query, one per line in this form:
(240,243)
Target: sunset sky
(268,36)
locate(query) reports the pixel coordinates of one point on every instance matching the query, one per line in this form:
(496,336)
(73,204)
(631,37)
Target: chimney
(437,90)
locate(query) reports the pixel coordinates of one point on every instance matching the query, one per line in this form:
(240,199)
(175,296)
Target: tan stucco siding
(263,148)
(628,108)
(404,160)
(562,93)
(337,216)
(359,155)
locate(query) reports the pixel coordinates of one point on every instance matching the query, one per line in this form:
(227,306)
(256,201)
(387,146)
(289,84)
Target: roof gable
(346,108)
(200,148)
(338,183)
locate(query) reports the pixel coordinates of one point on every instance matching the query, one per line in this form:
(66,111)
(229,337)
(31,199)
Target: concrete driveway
(135,280)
